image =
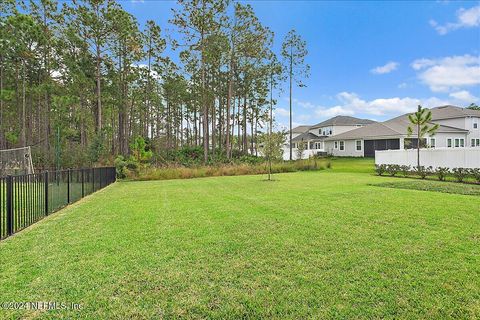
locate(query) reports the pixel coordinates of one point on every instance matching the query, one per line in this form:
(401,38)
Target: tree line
(83,80)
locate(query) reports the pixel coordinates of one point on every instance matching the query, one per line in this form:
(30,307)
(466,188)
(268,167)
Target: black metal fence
(28,198)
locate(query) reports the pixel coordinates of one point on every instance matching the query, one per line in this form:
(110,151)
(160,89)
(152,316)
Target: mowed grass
(438,186)
(322,244)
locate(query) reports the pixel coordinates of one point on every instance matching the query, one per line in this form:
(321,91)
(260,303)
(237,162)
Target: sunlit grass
(318,244)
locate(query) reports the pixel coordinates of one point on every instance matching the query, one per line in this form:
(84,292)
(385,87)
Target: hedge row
(460,174)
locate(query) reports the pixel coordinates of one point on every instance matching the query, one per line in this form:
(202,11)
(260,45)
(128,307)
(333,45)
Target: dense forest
(83,82)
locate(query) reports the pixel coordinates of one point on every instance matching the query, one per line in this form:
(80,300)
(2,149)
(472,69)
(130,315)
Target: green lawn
(323,244)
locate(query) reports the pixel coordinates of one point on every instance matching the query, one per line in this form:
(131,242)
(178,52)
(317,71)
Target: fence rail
(26,199)
(435,157)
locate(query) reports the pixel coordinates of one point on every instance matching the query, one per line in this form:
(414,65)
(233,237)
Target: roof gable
(342,121)
(451,112)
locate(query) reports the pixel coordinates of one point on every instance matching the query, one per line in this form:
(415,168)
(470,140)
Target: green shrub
(423,172)
(441,173)
(392,169)
(249,159)
(475,174)
(460,173)
(182,172)
(126,167)
(120,167)
(380,169)
(405,170)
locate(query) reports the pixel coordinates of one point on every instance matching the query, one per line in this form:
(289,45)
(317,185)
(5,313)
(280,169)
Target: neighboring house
(314,136)
(458,128)
(298,131)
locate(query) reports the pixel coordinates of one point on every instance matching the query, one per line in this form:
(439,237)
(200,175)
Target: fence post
(46,192)
(83,183)
(9,205)
(68,186)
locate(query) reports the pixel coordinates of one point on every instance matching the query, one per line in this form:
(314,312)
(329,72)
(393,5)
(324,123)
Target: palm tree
(421,121)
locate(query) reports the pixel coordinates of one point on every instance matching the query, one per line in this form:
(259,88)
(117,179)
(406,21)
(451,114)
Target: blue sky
(369,59)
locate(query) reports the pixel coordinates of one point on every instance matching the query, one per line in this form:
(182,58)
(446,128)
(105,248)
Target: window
(475,124)
(319,131)
(472,143)
(330,132)
(462,143)
(335,144)
(342,145)
(318,145)
(477,142)
(457,143)
(449,142)
(432,142)
(358,145)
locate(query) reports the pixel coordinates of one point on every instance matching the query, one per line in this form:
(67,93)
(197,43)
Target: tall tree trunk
(148,93)
(195,126)
(269,156)
(46,125)
(205,107)
(251,129)
(239,136)
(229,99)
(291,76)
(98,89)
(212,117)
(2,136)
(418,145)
(24,126)
(244,125)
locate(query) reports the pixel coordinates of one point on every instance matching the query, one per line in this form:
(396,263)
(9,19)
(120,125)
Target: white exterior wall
(455,122)
(474,133)
(441,139)
(335,129)
(349,151)
(438,157)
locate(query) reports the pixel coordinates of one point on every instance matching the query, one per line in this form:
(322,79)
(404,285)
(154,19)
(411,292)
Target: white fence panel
(307,153)
(438,157)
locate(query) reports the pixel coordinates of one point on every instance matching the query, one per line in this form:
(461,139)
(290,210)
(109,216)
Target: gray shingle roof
(390,128)
(449,112)
(306,136)
(300,129)
(342,121)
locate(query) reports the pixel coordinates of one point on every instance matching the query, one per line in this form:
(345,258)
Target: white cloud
(464,96)
(333,111)
(387,68)
(383,106)
(402,85)
(282,112)
(303,104)
(466,18)
(448,73)
(143,66)
(351,104)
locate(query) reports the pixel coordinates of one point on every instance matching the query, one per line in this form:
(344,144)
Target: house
(458,128)
(313,137)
